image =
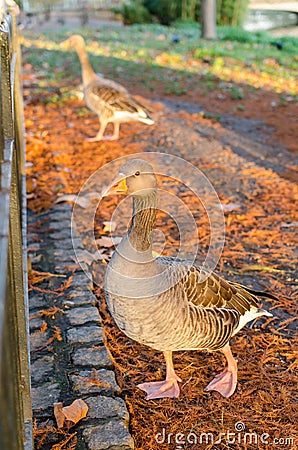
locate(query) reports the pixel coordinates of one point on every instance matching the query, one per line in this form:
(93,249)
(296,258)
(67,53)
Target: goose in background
(109,100)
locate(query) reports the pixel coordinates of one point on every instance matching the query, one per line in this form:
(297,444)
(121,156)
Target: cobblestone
(44,396)
(105,382)
(38,340)
(37,301)
(80,316)
(60,216)
(112,435)
(67,244)
(82,297)
(94,357)
(62,234)
(63,208)
(75,367)
(35,323)
(60,225)
(82,280)
(85,335)
(64,255)
(65,266)
(33,246)
(41,368)
(102,407)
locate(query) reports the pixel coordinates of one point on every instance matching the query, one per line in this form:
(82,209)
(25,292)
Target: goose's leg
(99,136)
(167,388)
(225,382)
(115,135)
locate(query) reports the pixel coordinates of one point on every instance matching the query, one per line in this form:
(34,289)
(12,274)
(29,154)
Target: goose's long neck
(143,221)
(88,73)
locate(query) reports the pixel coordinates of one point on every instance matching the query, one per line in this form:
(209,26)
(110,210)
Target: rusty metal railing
(15,399)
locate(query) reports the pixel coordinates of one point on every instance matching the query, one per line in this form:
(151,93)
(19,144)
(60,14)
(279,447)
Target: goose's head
(75,42)
(136,177)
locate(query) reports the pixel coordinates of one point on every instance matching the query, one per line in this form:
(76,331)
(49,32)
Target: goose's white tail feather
(250,315)
(146,120)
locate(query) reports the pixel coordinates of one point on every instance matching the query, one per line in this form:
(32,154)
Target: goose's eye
(137,173)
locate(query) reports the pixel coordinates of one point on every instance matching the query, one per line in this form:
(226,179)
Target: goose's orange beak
(118,186)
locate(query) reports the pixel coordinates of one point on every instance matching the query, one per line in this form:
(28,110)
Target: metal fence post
(15,399)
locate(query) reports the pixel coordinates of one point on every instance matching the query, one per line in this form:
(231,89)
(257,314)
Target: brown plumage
(162,302)
(108,99)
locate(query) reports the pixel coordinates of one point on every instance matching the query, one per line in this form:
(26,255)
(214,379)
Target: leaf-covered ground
(230,109)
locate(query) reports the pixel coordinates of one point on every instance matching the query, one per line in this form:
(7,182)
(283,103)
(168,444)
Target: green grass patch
(151,54)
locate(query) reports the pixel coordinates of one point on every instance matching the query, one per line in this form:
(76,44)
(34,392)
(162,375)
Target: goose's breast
(93,103)
(152,321)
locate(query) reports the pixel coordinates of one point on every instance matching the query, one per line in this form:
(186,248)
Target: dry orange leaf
(95,380)
(37,277)
(83,201)
(258,268)
(68,416)
(59,416)
(109,226)
(107,242)
(70,440)
(87,257)
(76,411)
(56,335)
(50,312)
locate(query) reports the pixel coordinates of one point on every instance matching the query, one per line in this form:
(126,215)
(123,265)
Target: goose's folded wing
(215,292)
(116,99)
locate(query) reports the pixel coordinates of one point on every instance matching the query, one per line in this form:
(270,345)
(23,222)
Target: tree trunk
(208,8)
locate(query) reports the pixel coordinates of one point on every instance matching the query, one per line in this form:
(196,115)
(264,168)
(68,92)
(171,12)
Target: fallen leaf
(258,268)
(289,225)
(230,206)
(83,201)
(65,285)
(37,277)
(29,123)
(107,242)
(76,411)
(70,441)
(109,227)
(95,380)
(73,198)
(56,335)
(59,416)
(42,329)
(87,257)
(30,185)
(50,312)
(68,416)
(30,196)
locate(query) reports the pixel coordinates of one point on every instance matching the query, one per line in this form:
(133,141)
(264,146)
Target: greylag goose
(162,302)
(108,99)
